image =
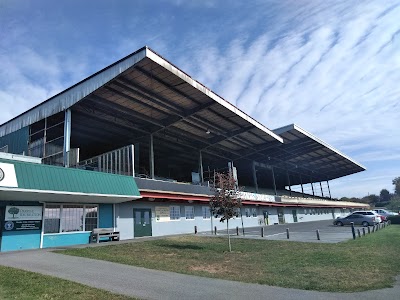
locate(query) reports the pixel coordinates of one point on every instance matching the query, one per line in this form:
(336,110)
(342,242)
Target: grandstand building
(135,146)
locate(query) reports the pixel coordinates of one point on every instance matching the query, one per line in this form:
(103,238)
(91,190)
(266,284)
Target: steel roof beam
(123,111)
(160,81)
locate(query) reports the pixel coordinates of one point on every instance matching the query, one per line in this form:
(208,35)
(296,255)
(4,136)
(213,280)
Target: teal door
(281,216)
(2,214)
(294,213)
(142,222)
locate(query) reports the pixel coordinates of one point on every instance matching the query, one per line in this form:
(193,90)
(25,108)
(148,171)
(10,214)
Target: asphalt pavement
(298,232)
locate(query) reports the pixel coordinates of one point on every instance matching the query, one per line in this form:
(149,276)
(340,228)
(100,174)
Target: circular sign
(9,225)
(1,174)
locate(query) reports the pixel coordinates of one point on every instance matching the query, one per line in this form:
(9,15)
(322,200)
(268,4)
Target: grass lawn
(18,284)
(369,262)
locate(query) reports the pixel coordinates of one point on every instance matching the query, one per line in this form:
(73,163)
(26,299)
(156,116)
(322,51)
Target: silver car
(357,219)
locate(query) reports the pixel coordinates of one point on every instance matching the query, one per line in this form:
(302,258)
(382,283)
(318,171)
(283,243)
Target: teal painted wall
(65,239)
(17,141)
(20,240)
(106,215)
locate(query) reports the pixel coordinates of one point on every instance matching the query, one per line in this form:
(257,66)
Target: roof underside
(144,94)
(302,150)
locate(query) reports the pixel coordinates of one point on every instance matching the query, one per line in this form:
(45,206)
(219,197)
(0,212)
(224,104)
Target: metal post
(288,178)
(151,157)
(287,233)
(301,183)
(273,178)
(237,230)
(320,185)
(330,197)
(318,238)
(373,228)
(312,188)
(369,230)
(353,231)
(195,229)
(358,232)
(255,176)
(201,167)
(262,231)
(67,137)
(215,230)
(363,231)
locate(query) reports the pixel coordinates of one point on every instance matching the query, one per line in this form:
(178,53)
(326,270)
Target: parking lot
(299,232)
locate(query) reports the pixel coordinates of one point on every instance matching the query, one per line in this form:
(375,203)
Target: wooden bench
(106,234)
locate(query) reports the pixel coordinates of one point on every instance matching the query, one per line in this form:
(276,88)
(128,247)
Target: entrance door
(281,216)
(142,222)
(266,217)
(294,213)
(2,215)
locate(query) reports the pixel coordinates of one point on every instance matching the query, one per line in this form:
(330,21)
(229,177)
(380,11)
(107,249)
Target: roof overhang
(303,151)
(12,194)
(145,94)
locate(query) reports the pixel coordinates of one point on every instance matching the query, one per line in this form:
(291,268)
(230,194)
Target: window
(305,211)
(52,219)
(206,212)
(59,218)
(90,217)
(254,212)
(189,212)
(247,212)
(175,212)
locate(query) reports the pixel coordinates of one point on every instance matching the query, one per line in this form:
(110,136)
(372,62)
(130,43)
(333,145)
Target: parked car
(357,219)
(384,212)
(368,213)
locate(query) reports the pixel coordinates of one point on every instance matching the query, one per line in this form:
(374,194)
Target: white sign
(257,197)
(8,178)
(162,213)
(14,213)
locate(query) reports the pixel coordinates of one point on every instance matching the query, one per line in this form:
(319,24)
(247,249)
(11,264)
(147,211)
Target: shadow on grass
(181,246)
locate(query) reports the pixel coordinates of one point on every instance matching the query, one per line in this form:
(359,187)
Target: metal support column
(288,178)
(312,187)
(273,179)
(301,183)
(201,167)
(67,137)
(320,185)
(151,157)
(330,197)
(255,176)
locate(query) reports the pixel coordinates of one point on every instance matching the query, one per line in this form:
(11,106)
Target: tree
(225,202)
(13,211)
(384,196)
(396,183)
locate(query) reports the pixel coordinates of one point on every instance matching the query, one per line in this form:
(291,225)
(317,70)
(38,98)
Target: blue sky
(331,67)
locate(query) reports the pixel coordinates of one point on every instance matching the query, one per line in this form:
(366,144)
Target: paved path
(152,284)
(298,232)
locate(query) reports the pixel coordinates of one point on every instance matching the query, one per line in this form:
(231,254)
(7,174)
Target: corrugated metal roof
(40,177)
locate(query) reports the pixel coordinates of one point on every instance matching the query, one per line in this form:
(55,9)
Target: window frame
(61,207)
(191,207)
(205,210)
(179,209)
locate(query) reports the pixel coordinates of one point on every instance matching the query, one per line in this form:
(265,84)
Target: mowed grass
(21,285)
(370,262)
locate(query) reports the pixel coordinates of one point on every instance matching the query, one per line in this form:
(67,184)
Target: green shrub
(394,219)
